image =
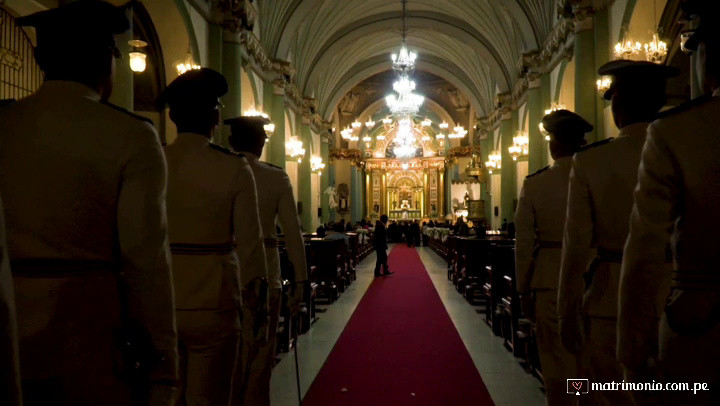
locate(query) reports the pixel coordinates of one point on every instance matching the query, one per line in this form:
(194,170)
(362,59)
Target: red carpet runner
(399,348)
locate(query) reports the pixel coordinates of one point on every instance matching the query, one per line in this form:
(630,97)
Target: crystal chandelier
(627,49)
(187,64)
(294,149)
(251,112)
(317,165)
(459,132)
(604,83)
(493,162)
(553,107)
(520,146)
(655,50)
(406,103)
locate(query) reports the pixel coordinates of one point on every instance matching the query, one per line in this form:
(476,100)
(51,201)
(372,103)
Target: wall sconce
(138,61)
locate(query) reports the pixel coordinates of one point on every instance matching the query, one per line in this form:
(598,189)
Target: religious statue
(466,198)
(332,197)
(405,205)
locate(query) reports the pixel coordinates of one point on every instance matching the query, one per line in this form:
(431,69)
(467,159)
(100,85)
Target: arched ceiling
(336,44)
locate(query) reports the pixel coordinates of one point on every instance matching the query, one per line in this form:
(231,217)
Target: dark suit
(380,245)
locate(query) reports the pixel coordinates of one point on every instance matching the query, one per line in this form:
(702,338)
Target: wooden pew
(328,270)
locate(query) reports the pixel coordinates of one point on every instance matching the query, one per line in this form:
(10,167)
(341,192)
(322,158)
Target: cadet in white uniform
(83,184)
(602,181)
(676,201)
(215,237)
(539,220)
(277,205)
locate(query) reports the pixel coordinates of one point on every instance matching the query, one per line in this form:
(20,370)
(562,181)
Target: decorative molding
(532,65)
(462,152)
(340,154)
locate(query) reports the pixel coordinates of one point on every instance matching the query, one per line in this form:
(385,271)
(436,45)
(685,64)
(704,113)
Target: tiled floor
(506,381)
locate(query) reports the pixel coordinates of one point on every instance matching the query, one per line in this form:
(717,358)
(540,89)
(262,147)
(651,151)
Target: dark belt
(616,257)
(60,268)
(202,249)
(271,242)
(541,245)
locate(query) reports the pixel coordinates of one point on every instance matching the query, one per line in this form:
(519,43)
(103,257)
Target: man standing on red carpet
(380,245)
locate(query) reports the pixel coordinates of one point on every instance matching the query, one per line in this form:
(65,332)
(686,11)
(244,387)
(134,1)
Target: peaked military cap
(567,122)
(636,74)
(199,88)
(705,11)
(88,23)
(247,124)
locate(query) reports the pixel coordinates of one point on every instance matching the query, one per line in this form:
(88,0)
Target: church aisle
(508,383)
(399,347)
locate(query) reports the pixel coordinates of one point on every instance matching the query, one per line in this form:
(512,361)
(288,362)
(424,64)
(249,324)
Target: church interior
(426,111)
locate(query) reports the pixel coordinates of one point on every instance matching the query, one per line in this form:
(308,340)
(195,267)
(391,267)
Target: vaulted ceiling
(336,44)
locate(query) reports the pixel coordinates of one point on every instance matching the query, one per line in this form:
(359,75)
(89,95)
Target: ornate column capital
(234,15)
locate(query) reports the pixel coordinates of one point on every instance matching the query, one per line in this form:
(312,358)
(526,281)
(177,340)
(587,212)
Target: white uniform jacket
(600,198)
(213,223)
(539,221)
(277,204)
(82,180)
(676,201)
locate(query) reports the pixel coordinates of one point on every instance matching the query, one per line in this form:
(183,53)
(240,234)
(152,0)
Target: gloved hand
(162,395)
(571,334)
(295,298)
(255,311)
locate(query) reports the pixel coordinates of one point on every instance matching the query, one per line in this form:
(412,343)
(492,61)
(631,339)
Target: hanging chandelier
(653,51)
(604,83)
(294,149)
(406,103)
(520,146)
(317,165)
(553,107)
(493,162)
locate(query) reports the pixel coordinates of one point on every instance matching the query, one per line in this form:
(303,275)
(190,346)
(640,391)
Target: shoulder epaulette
(274,166)
(539,171)
(129,113)
(685,106)
(221,149)
(7,103)
(595,144)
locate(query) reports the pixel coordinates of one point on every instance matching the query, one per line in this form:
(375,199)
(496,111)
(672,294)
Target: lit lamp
(294,149)
(380,137)
(356,124)
(426,123)
(370,123)
(444,125)
(317,165)
(138,59)
(603,84)
(387,121)
(269,129)
(187,65)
